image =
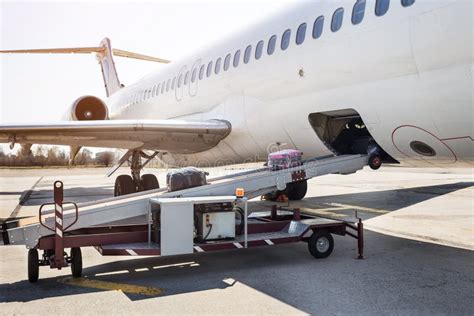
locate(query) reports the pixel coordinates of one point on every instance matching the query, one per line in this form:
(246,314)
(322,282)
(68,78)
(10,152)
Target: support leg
(360,239)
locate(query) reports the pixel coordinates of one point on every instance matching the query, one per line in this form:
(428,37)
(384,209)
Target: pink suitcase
(285,159)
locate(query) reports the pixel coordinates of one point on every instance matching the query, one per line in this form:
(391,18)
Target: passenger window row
(358,12)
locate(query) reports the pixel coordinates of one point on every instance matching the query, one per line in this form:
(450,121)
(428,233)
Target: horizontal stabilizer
(85,50)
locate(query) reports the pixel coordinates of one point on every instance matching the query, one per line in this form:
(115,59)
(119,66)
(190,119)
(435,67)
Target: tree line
(48,156)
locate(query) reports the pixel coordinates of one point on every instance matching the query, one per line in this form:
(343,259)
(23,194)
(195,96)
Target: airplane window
(218,65)
(381,7)
(168,85)
(236,58)
(337,18)
(201,72)
(186,78)
(248,52)
(173,83)
(271,45)
(193,77)
(318,27)
(209,69)
(163,86)
(259,50)
(180,80)
(301,34)
(407,3)
(358,12)
(227,62)
(285,39)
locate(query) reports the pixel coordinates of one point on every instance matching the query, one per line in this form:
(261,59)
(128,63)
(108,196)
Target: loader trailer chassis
(62,228)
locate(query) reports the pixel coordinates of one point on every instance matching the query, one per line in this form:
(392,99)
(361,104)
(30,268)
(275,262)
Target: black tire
(297,190)
(149,182)
(321,244)
(76,262)
(375,161)
(33,265)
(124,185)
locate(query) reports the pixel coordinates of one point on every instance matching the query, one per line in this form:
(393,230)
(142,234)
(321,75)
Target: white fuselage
(408,74)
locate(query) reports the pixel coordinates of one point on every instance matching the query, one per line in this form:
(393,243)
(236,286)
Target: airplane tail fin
(107,65)
(104,53)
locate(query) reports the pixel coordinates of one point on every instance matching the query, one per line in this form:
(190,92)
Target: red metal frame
(133,239)
(59,260)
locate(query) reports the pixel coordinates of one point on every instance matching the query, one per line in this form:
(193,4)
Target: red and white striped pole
(58,240)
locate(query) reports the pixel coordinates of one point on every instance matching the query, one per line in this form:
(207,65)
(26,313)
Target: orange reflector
(239,192)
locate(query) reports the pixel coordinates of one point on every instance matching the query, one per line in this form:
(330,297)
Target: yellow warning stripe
(111,286)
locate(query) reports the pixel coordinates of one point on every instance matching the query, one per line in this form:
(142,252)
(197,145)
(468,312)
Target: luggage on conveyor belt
(185,178)
(285,159)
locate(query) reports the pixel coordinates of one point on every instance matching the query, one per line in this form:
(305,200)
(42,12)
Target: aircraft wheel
(33,265)
(296,190)
(76,262)
(124,185)
(149,182)
(375,162)
(321,244)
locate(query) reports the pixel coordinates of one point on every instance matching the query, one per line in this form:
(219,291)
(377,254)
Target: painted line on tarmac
(359,208)
(111,286)
(23,200)
(326,211)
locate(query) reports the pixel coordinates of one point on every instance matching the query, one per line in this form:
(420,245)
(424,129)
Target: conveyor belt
(255,183)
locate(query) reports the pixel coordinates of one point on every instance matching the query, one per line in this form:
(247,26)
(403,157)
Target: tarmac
(419,243)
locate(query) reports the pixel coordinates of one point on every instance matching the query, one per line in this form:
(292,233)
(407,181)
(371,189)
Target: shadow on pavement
(389,200)
(398,275)
(78,195)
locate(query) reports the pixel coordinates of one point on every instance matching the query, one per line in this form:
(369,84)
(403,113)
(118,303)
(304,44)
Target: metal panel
(177,227)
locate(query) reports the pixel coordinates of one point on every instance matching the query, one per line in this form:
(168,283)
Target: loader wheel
(124,185)
(149,182)
(76,262)
(297,190)
(33,265)
(321,244)
(375,162)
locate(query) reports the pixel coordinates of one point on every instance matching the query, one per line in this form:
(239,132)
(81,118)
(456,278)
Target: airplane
(324,77)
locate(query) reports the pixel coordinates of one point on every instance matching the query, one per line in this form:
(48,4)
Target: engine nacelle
(89,108)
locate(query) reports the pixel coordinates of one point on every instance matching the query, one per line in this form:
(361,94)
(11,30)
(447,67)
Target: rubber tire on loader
(375,161)
(124,185)
(297,190)
(33,265)
(321,244)
(76,262)
(149,182)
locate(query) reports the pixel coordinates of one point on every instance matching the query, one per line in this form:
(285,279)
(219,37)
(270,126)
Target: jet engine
(89,108)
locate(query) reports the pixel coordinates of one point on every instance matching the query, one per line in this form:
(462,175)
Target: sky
(41,88)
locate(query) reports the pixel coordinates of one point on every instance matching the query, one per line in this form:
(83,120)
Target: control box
(216,225)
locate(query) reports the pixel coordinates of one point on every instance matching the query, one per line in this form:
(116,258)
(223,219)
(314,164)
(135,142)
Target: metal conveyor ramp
(255,183)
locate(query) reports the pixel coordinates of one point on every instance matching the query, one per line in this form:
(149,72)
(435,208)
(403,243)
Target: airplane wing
(178,136)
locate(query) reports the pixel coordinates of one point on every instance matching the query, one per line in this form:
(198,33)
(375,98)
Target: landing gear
(294,191)
(125,184)
(149,182)
(297,190)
